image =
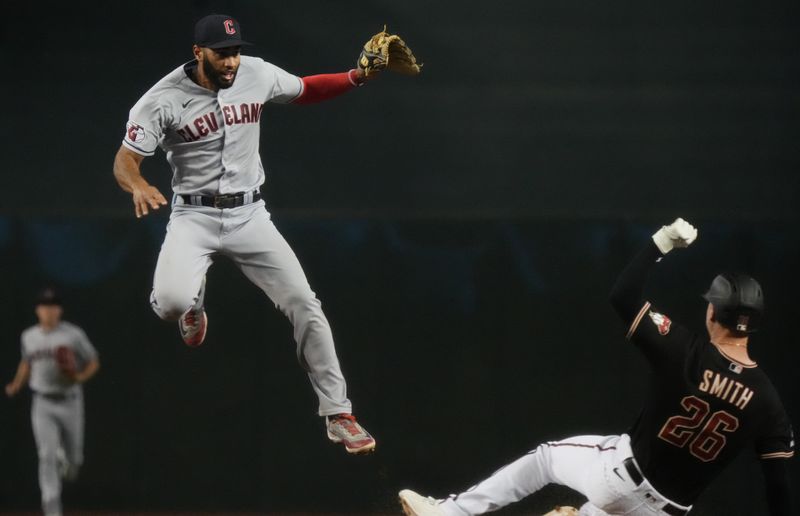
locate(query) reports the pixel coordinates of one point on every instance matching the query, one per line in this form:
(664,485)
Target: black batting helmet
(738,302)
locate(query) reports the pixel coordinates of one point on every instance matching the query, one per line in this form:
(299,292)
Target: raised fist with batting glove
(678,234)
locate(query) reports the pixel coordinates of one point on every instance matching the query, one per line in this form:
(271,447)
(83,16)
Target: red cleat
(343,428)
(193,327)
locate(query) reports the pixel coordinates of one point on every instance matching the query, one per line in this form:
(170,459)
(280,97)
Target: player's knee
(541,455)
(47,455)
(170,306)
(302,306)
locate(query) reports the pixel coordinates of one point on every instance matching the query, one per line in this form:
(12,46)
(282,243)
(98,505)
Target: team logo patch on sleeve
(661,321)
(135,133)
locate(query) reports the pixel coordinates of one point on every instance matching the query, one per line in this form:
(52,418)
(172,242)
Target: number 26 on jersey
(704,433)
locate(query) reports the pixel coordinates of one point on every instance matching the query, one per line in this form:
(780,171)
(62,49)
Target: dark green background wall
(462,229)
(525,108)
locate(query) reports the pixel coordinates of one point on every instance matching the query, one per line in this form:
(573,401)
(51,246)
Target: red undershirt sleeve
(317,88)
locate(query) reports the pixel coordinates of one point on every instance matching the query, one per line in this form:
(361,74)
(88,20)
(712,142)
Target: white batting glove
(678,234)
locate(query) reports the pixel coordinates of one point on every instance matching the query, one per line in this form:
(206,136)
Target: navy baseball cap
(218,31)
(48,296)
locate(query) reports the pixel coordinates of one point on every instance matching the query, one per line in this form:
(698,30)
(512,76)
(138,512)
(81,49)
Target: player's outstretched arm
(20,378)
(317,88)
(127,171)
(383,51)
(627,295)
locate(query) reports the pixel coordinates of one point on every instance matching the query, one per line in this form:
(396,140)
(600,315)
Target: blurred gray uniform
(57,410)
(211,140)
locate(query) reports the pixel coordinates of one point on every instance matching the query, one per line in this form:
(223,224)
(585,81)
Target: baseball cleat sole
(200,336)
(408,511)
(361,450)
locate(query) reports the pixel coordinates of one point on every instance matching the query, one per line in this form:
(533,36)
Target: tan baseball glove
(386,51)
(65,359)
(563,511)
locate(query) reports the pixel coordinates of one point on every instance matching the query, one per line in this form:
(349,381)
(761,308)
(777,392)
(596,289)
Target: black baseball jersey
(702,409)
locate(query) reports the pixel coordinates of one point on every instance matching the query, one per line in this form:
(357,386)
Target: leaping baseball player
(206,116)
(707,400)
(57,358)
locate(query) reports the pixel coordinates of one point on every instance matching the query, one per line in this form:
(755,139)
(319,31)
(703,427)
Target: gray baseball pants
(58,431)
(246,235)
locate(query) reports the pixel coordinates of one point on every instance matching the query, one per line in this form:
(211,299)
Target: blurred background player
(57,358)
(707,400)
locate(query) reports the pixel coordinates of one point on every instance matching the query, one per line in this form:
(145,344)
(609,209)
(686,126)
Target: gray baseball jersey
(210,138)
(39,349)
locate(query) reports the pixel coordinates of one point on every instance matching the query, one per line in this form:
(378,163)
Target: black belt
(56,396)
(220,201)
(638,478)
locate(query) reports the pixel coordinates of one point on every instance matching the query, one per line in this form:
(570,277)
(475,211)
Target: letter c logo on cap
(229,28)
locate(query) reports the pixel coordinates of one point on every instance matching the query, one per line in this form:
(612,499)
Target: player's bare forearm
(21,376)
(127,171)
(88,372)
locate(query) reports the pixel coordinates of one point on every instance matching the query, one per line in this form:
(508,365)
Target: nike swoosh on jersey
(186,103)
(617,473)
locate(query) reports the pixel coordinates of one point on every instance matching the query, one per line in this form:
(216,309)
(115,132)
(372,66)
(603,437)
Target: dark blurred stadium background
(462,229)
